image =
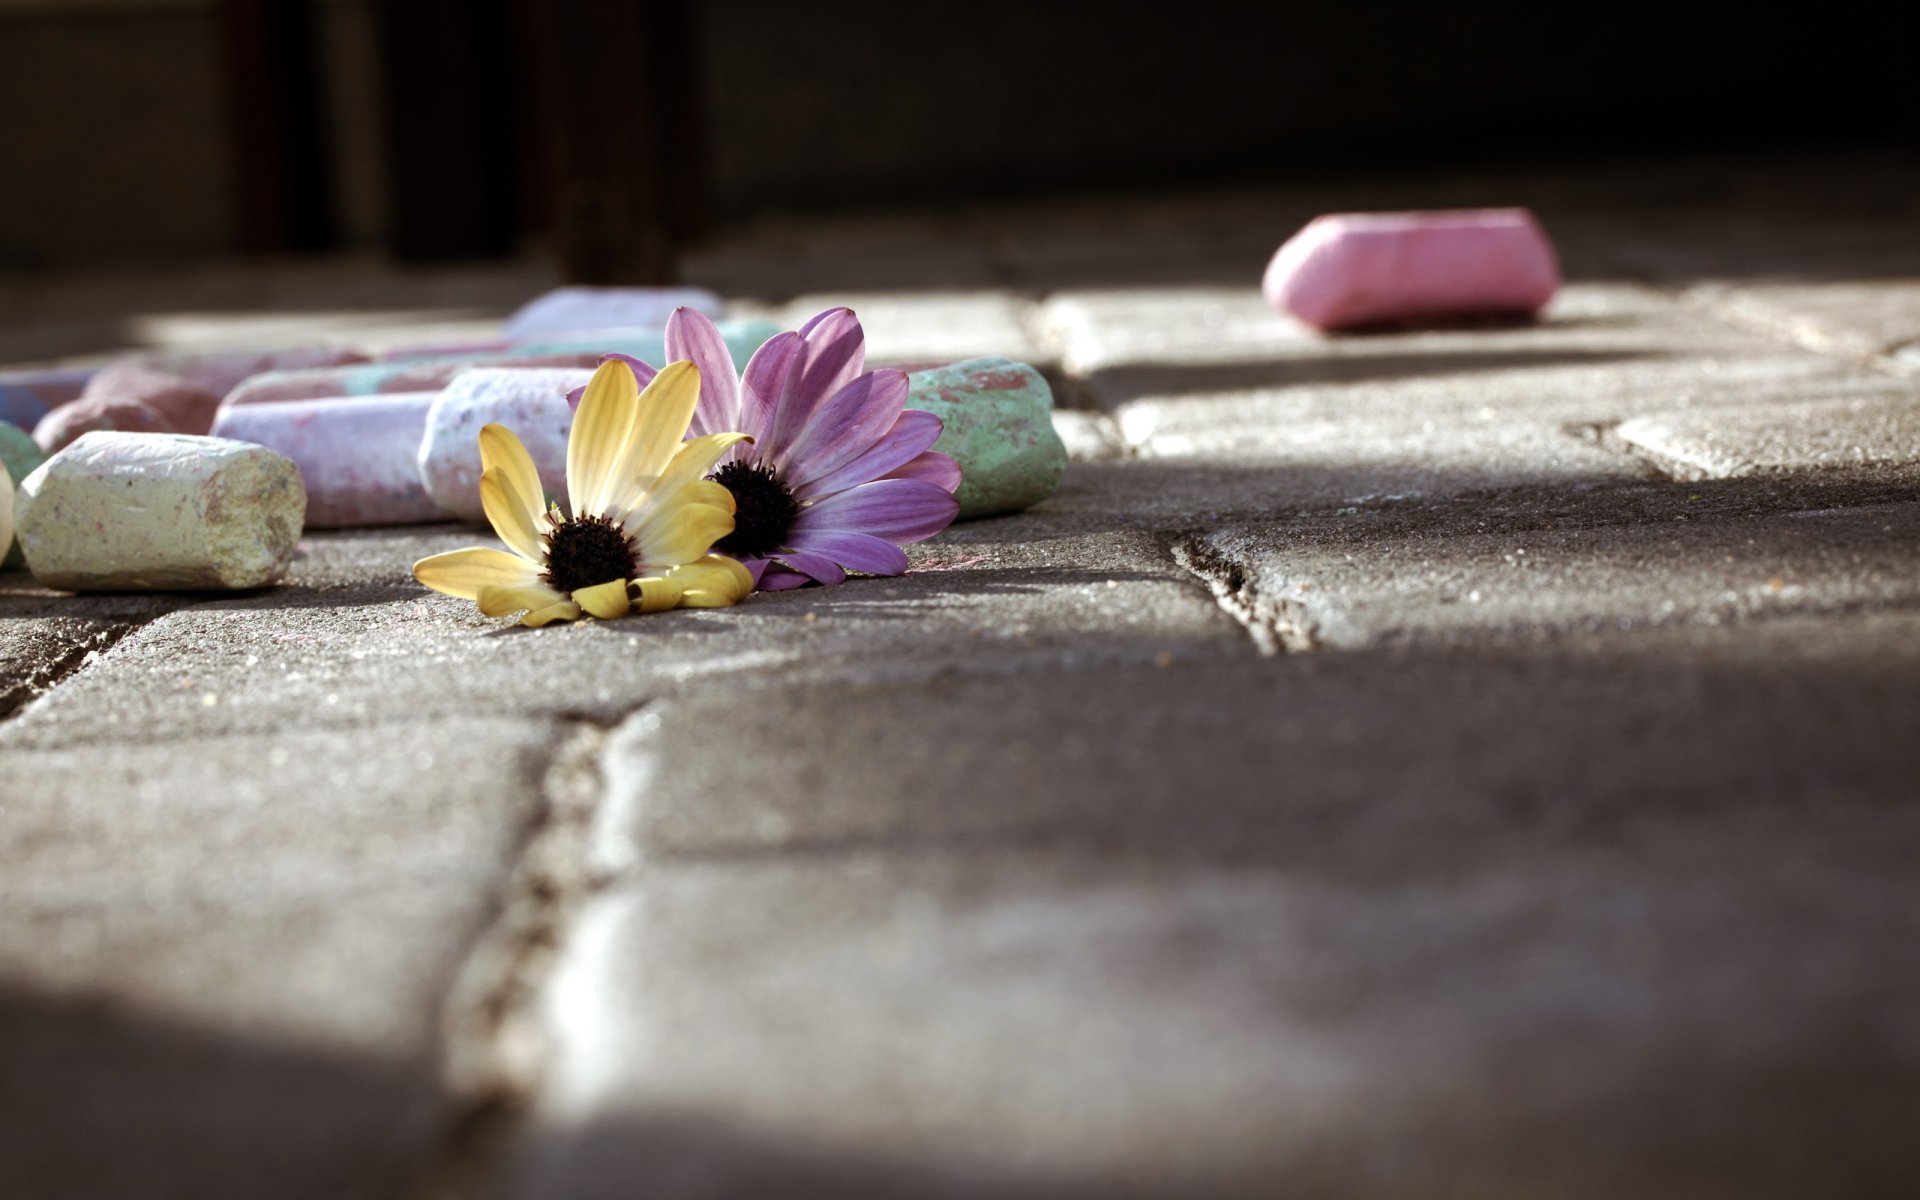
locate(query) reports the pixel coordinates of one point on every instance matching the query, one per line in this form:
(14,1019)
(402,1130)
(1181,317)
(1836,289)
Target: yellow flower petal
(608,601)
(656,594)
(463,573)
(693,460)
(566,610)
(715,581)
(662,506)
(497,601)
(508,514)
(684,534)
(501,450)
(664,411)
(597,443)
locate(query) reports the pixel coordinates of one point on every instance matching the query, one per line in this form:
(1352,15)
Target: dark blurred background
(614,133)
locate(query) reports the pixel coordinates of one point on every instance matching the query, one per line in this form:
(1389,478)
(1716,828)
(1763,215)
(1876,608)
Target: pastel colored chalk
(220,371)
(374,379)
(160,512)
(28,395)
(59,428)
(649,345)
(531,402)
(184,407)
(358,457)
(569,309)
(19,455)
(999,427)
(1350,270)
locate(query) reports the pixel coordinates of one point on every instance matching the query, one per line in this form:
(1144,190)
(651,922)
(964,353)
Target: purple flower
(839,475)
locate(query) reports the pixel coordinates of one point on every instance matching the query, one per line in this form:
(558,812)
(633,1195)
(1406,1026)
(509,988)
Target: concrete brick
(1497,572)
(224,959)
(1880,429)
(1418,924)
(921,326)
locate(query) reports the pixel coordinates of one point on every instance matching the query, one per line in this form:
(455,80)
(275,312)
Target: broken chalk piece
(160,511)
(571,309)
(999,427)
(19,455)
(530,402)
(358,456)
(1349,270)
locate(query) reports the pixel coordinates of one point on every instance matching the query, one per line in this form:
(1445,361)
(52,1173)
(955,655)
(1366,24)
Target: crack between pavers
(1606,435)
(16,697)
(1798,333)
(1276,625)
(494,1049)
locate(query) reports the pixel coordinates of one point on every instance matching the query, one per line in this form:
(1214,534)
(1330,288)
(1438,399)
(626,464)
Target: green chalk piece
(999,418)
(21,456)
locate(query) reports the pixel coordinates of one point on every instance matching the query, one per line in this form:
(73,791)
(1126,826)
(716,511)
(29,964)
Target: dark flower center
(763,510)
(586,551)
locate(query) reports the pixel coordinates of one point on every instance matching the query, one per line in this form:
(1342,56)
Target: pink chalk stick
(356,454)
(1355,269)
(187,409)
(370,379)
(63,425)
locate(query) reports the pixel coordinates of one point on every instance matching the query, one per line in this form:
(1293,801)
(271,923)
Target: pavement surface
(1470,762)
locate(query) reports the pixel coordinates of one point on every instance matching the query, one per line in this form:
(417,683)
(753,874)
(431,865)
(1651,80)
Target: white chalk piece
(160,512)
(358,455)
(532,403)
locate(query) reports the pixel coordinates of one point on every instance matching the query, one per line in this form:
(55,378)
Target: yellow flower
(644,513)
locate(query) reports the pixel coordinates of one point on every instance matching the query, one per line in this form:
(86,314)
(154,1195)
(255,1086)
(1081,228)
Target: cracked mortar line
(15,697)
(493,1044)
(1277,626)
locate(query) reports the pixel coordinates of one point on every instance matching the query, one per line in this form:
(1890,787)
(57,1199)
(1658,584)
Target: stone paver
(1877,430)
(224,962)
(1224,929)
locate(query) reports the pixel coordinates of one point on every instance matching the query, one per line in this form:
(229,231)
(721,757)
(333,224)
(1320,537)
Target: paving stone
(354,641)
(223,963)
(1381,580)
(44,635)
(1868,319)
(1876,430)
(1404,924)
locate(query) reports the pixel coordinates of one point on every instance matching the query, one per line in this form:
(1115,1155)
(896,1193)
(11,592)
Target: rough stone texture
(195,1003)
(532,403)
(1881,430)
(1129,940)
(998,427)
(119,511)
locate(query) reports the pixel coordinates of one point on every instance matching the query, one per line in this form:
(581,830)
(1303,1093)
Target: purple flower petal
(691,336)
(932,467)
(845,427)
(911,434)
(900,510)
(641,371)
(854,551)
(779,579)
(836,350)
(820,569)
(756,567)
(765,381)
